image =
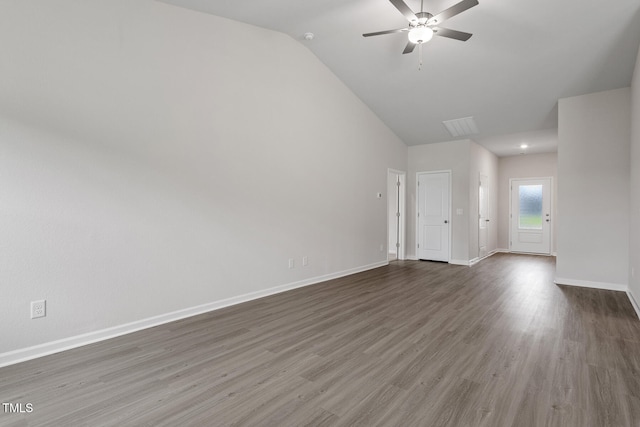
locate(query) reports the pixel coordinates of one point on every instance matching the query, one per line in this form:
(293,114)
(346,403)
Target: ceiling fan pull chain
(420,56)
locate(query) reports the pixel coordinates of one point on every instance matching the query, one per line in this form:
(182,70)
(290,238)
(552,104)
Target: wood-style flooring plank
(409,344)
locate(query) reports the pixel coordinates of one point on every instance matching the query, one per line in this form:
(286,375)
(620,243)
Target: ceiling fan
(423,25)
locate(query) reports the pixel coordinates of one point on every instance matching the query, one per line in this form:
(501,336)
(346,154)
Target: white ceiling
(524,55)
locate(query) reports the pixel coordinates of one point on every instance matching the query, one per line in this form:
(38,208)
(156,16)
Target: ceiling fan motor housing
(423,17)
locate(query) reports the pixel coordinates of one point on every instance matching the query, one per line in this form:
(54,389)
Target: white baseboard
(588,284)
(477,260)
(507,251)
(634,303)
(462,262)
(453,261)
(21,355)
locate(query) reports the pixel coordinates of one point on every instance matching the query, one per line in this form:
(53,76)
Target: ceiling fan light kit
(420,34)
(422,25)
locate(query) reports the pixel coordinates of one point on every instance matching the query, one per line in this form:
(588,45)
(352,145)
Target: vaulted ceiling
(524,55)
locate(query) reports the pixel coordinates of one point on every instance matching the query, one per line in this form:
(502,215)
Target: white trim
(24,354)
(450,172)
(551,207)
(477,260)
(588,284)
(480,175)
(400,251)
(459,262)
(507,251)
(634,303)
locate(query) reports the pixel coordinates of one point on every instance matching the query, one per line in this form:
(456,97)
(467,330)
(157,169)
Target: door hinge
(398,183)
(397,245)
(398,214)
(418,245)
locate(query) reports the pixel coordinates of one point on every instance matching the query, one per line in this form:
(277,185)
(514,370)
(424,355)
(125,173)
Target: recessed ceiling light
(309,36)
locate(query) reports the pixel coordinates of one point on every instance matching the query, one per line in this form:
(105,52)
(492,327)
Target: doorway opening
(530,216)
(483,216)
(396,182)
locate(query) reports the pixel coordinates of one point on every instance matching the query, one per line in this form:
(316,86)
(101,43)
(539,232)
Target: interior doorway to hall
(396,182)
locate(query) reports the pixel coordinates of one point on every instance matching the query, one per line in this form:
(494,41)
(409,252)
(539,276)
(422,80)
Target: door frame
(511,180)
(402,190)
(450,173)
(487,199)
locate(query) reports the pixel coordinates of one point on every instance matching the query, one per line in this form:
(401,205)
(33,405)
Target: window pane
(530,207)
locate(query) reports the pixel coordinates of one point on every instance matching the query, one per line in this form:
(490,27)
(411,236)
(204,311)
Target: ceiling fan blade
(409,48)
(379,33)
(452,11)
(404,9)
(452,34)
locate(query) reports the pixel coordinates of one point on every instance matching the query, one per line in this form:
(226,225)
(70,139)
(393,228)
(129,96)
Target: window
(530,207)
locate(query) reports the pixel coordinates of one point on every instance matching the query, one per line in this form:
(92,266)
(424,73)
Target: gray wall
(634,232)
(453,156)
(155,159)
(465,159)
(483,162)
(593,189)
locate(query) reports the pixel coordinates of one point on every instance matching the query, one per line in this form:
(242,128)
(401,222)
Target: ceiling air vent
(461,127)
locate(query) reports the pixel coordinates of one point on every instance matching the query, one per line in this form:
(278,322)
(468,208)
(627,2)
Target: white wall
(154,159)
(525,166)
(593,189)
(465,159)
(453,156)
(634,231)
(483,162)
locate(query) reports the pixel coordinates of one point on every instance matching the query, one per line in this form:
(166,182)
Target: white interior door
(483,215)
(433,216)
(531,215)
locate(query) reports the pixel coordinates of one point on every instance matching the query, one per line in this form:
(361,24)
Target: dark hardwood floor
(410,344)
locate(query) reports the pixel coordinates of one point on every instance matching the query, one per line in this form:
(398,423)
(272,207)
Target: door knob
(446,222)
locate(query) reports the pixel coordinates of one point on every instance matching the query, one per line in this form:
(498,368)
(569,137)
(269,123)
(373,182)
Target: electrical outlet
(305,261)
(38,309)
(292,263)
